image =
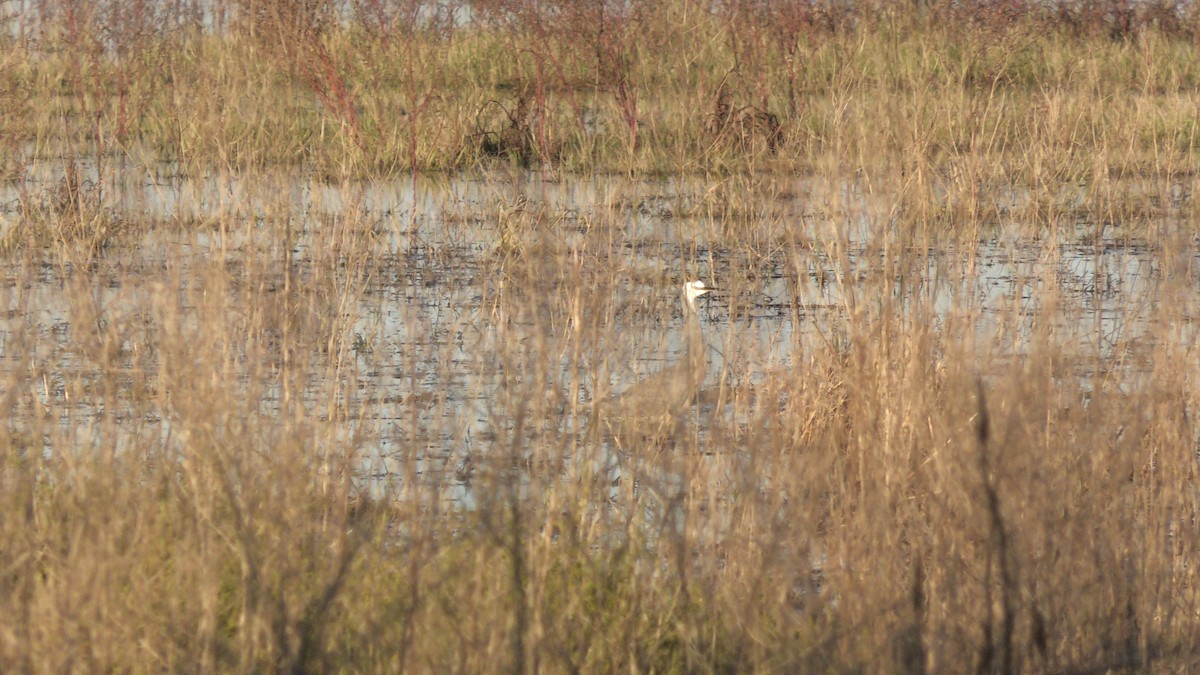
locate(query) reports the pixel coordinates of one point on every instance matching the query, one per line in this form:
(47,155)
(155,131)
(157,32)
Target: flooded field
(420,367)
(402,311)
(342,336)
(825,336)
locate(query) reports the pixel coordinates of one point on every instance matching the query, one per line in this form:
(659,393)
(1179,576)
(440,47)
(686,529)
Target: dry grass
(250,436)
(961,103)
(188,446)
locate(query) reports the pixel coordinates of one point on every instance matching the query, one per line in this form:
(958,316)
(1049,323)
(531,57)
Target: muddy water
(416,277)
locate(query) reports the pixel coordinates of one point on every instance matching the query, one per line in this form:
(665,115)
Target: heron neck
(697,350)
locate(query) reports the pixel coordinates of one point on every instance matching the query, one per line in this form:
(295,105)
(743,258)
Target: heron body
(658,402)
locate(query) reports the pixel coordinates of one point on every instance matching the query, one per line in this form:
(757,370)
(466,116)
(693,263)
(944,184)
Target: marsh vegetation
(307,307)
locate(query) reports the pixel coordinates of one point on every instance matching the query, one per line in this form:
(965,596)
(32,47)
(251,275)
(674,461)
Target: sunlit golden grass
(1022,103)
(286,427)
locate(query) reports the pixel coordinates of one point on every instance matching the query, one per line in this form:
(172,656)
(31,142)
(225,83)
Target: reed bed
(1010,93)
(259,436)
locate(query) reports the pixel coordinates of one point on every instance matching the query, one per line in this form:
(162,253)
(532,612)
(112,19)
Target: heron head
(695,289)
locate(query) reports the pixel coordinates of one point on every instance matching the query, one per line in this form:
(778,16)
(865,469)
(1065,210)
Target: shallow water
(436,323)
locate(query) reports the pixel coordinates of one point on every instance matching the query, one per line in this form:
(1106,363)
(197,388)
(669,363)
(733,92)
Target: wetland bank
(308,307)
